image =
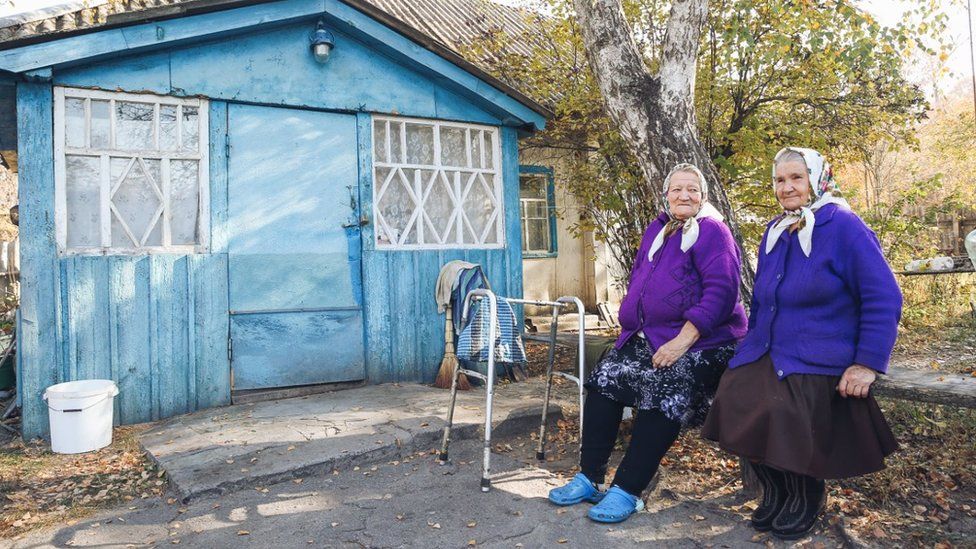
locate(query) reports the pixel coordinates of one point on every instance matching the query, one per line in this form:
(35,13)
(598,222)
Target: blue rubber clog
(578,490)
(615,507)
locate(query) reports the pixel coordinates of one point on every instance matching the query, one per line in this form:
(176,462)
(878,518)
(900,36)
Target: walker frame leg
(490,392)
(540,453)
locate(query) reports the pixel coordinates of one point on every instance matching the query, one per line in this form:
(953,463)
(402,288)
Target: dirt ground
(946,349)
(925,498)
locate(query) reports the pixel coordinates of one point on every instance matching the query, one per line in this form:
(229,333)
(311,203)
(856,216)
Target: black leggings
(653,434)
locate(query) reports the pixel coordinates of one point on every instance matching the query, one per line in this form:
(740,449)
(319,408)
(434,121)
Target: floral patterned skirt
(682,391)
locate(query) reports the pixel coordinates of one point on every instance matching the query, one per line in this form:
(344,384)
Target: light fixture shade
(322,42)
(321,52)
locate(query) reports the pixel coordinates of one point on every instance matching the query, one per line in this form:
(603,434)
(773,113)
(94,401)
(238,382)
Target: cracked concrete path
(408,502)
(221,450)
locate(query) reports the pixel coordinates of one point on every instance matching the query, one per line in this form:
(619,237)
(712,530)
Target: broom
(450,360)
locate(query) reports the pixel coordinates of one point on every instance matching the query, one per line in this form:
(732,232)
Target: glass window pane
(420,144)
(191,129)
(167,128)
(475,149)
(396,145)
(137,198)
(538,235)
(452,147)
(74,122)
(379,141)
(82,184)
(536,209)
(396,206)
(492,236)
(134,126)
(532,186)
(489,150)
(120,238)
(439,205)
(478,207)
(101,121)
(183,201)
(155,237)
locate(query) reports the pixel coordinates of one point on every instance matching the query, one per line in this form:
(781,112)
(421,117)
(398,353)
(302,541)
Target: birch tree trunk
(655,113)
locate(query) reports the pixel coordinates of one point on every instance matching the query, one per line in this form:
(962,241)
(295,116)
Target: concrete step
(223,450)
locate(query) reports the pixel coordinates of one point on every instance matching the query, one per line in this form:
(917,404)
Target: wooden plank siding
(155,324)
(158,324)
(404,331)
(39,338)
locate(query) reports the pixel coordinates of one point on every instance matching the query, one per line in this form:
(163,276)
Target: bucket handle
(70,410)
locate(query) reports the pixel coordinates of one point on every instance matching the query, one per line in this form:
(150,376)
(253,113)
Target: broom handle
(449,333)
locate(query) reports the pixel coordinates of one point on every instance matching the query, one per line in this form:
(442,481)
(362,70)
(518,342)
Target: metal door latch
(363,221)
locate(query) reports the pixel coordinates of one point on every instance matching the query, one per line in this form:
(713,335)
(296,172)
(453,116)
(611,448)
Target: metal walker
(489,379)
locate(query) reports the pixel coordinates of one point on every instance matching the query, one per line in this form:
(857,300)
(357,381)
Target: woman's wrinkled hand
(856,381)
(670,352)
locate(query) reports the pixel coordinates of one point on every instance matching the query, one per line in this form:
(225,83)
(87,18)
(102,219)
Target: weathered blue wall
(404,331)
(158,324)
(264,67)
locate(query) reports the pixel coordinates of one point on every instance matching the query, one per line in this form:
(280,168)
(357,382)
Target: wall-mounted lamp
(322,42)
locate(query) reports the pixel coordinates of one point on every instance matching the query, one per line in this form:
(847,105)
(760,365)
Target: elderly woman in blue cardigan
(796,401)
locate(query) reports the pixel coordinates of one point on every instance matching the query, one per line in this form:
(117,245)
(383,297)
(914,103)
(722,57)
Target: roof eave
(201,7)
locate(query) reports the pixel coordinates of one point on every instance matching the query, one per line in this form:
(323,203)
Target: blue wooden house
(230,195)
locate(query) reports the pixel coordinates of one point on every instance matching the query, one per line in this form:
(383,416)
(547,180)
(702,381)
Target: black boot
(804,502)
(774,496)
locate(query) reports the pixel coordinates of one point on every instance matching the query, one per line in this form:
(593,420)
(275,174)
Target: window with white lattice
(131,172)
(436,185)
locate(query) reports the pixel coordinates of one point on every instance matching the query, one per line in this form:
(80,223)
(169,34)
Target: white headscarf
(824,190)
(689,229)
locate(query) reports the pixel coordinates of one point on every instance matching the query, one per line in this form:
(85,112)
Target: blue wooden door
(293,250)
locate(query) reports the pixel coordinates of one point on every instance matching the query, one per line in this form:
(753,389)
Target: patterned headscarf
(689,227)
(824,190)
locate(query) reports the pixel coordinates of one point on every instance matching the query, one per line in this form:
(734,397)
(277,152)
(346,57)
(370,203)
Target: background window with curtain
(130,173)
(537,211)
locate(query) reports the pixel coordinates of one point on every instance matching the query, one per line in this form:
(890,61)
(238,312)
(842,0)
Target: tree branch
(679,53)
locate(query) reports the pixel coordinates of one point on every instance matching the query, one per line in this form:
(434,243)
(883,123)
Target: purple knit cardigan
(700,286)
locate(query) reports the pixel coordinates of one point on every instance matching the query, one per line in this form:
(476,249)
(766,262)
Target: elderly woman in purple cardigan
(681,319)
(796,400)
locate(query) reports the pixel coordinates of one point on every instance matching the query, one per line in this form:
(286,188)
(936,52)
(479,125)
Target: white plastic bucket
(81,415)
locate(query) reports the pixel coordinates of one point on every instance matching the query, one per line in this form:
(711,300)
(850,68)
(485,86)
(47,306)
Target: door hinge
(230,349)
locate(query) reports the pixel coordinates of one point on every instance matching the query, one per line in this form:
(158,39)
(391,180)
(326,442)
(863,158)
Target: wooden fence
(953,229)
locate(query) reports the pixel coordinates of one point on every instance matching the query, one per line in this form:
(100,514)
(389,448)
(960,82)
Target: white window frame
(61,151)
(544,217)
(460,188)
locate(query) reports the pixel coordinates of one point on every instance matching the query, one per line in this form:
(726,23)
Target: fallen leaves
(38,487)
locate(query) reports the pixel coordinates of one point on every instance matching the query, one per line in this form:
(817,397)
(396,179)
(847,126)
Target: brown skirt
(800,424)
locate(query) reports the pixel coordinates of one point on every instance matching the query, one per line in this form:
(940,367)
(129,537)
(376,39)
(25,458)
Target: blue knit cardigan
(823,313)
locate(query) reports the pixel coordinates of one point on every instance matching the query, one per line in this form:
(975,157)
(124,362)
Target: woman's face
(792,184)
(684,195)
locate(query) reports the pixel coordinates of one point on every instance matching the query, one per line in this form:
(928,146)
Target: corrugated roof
(55,20)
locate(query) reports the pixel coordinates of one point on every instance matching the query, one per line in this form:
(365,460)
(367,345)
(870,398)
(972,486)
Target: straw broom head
(450,361)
